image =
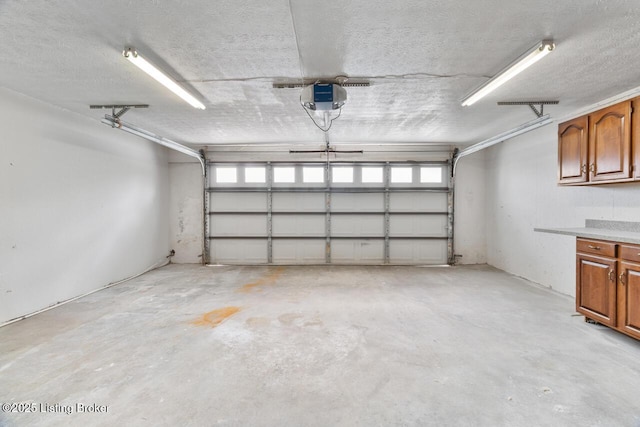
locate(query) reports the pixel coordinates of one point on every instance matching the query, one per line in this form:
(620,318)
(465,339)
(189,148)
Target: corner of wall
(470,236)
(186,210)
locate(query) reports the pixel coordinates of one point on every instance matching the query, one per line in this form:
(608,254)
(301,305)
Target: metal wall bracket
(122,108)
(532,104)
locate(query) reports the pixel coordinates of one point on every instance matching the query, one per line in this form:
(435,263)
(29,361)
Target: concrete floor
(320,346)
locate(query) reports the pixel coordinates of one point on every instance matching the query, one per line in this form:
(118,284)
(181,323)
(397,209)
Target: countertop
(617,231)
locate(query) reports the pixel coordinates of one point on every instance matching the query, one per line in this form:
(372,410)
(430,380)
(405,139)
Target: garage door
(338,213)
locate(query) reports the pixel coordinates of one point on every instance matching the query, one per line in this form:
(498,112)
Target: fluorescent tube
(135,58)
(539,51)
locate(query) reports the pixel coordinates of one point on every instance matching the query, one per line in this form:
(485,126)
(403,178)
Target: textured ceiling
(421,57)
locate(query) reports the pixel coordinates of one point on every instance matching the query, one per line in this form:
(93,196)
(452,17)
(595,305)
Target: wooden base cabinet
(596,281)
(628,318)
(608,284)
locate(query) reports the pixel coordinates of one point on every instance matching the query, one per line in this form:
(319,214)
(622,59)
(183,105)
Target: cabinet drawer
(630,253)
(596,247)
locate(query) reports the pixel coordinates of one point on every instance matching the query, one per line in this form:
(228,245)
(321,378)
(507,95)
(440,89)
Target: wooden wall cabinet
(599,148)
(610,143)
(608,284)
(635,138)
(572,151)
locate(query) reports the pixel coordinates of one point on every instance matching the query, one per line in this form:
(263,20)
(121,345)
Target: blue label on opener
(322,92)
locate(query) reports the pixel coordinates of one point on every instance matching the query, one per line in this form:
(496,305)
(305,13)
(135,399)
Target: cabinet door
(572,151)
(635,136)
(610,143)
(596,288)
(629,298)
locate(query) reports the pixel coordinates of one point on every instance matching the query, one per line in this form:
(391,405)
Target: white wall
(185,211)
(469,230)
(81,205)
(522,194)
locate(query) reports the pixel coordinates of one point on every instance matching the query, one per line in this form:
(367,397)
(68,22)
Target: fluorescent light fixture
(137,60)
(533,55)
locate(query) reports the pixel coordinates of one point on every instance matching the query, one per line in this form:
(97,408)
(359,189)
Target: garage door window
(342,175)
(284,175)
(226,175)
(372,175)
(312,175)
(431,175)
(255,175)
(401,175)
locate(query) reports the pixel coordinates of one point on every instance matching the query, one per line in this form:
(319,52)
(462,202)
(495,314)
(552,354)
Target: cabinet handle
(583,169)
(622,276)
(597,248)
(612,276)
(592,168)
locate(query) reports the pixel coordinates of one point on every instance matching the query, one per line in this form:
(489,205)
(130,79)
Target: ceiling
(420,57)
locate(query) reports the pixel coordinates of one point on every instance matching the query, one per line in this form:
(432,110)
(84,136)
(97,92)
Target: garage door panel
(365,251)
(238,225)
(359,202)
(287,223)
(405,251)
(298,225)
(251,202)
(357,225)
(239,251)
(299,251)
(299,202)
(418,225)
(417,201)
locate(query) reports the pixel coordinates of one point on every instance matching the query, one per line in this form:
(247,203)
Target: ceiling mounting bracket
(123,108)
(532,104)
(343,81)
(327,150)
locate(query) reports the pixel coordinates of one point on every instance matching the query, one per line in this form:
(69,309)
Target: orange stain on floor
(215,317)
(269,279)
